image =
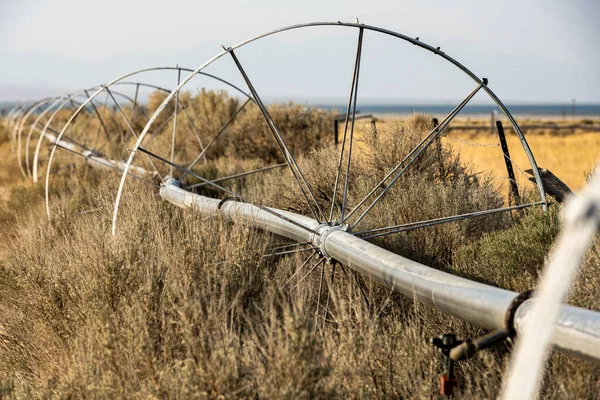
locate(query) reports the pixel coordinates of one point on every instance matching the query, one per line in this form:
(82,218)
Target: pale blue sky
(532,51)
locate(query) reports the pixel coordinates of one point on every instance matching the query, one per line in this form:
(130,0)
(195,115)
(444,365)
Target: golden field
(569,154)
(568,157)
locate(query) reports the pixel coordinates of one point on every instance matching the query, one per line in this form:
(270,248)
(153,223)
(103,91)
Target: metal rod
(329,289)
(373,233)
(193,126)
(70,140)
(354,283)
(131,129)
(439,151)
(288,252)
(352,97)
(296,172)
(175,123)
(289,245)
(87,123)
(436,129)
(104,162)
(143,150)
(157,131)
(347,179)
(240,175)
(135,99)
(319,296)
(202,153)
(322,260)
(98,115)
(101,124)
(360,287)
(299,269)
(415,153)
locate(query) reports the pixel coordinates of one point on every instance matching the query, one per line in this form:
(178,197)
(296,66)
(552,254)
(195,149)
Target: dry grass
(178,306)
(570,156)
(10,175)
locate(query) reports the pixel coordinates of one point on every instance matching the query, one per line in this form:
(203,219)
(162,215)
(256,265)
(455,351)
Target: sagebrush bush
(246,136)
(183,306)
(436,185)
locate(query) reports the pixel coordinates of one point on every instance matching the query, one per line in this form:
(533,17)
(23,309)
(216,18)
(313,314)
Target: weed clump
(180,306)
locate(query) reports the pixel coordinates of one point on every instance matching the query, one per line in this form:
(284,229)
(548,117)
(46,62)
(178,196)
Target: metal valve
(445,343)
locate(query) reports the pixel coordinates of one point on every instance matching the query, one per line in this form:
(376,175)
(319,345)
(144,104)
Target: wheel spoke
(135,99)
(289,159)
(373,233)
(174,137)
(108,164)
(232,193)
(322,260)
(281,253)
(240,175)
(101,124)
(351,106)
(154,134)
(68,139)
(76,105)
(354,283)
(193,126)
(98,115)
(299,269)
(414,153)
(319,295)
(287,246)
(203,152)
(131,130)
(87,123)
(348,162)
(360,287)
(329,289)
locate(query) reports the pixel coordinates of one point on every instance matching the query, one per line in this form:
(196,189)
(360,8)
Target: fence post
(509,168)
(438,148)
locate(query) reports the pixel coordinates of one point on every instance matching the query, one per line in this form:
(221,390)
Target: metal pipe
(577,329)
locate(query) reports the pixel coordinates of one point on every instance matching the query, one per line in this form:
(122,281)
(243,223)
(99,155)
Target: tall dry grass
(180,306)
(436,185)
(200,117)
(568,156)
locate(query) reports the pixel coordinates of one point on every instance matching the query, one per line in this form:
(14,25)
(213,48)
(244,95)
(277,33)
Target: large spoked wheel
(349,202)
(103,122)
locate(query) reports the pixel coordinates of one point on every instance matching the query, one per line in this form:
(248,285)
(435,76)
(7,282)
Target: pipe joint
(169,180)
(323,231)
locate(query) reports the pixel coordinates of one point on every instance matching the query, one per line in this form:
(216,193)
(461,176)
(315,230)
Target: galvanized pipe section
(577,331)
(94,160)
